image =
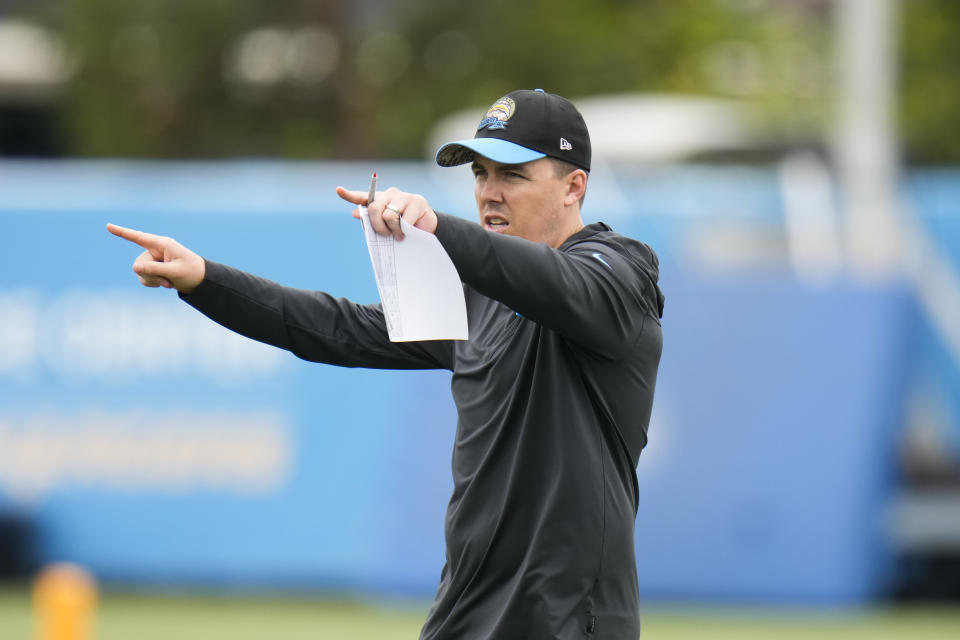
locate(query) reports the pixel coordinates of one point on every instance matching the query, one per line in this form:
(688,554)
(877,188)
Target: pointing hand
(165,262)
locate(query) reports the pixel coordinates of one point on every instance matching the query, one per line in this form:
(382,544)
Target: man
(553,387)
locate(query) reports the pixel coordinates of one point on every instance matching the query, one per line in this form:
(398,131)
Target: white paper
(419,287)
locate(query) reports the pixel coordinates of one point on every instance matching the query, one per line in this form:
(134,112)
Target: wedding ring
(394,209)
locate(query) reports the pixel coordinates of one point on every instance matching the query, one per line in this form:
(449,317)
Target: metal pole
(865,143)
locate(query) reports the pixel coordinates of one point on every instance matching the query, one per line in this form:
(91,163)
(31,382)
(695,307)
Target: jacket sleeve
(594,292)
(312,325)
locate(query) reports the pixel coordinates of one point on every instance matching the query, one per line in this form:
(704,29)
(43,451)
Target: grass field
(125,616)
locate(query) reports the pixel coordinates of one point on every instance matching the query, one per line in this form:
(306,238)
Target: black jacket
(553,390)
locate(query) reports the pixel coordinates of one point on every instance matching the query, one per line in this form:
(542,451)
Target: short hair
(562,168)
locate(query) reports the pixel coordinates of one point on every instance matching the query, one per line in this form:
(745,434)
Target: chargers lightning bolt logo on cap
(498,114)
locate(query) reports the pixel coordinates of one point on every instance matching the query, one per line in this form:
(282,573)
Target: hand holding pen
(386,208)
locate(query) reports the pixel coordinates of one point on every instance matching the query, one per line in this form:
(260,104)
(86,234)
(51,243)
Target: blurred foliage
(151,81)
(930,80)
(160,78)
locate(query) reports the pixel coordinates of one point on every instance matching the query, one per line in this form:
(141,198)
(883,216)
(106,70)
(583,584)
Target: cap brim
(462,151)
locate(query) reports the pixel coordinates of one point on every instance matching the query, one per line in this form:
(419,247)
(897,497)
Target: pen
(373,189)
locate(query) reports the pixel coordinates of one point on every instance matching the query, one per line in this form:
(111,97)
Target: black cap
(523,126)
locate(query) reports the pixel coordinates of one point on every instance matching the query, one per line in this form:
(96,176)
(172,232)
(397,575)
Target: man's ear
(576,182)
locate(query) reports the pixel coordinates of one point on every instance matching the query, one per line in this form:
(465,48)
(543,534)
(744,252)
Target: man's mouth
(495,223)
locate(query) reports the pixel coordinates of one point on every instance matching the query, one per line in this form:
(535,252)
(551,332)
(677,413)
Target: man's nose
(490,190)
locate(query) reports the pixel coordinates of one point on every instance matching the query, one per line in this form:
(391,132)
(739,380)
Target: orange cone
(64,602)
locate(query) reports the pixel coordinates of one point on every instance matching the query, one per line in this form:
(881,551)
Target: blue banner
(153,446)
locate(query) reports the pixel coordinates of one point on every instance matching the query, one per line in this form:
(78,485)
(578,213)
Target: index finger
(145,240)
(354,197)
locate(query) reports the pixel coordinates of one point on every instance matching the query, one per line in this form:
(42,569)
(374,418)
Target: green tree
(929,93)
(160,78)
